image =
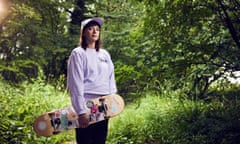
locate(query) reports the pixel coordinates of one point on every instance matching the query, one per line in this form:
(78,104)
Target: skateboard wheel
(42,125)
(90,104)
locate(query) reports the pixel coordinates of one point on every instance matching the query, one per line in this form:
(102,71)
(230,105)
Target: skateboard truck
(55,122)
(103,107)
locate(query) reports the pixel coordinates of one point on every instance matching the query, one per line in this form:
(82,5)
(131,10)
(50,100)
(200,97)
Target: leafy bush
(21,104)
(153,119)
(172,121)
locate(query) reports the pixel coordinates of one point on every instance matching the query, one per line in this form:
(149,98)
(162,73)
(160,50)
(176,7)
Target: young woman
(90,75)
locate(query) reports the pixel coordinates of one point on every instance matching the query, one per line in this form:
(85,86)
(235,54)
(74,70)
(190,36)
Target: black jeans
(93,134)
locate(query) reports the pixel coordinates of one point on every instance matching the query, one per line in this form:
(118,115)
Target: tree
(195,42)
(34,37)
(13,48)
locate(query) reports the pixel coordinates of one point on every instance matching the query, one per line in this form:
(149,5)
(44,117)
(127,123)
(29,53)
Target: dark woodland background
(176,65)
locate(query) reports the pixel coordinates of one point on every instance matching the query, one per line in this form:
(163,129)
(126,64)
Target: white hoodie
(90,74)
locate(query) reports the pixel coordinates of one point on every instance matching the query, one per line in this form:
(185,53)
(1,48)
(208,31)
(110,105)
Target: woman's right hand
(83,120)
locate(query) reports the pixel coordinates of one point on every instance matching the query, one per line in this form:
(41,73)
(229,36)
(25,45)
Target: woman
(90,75)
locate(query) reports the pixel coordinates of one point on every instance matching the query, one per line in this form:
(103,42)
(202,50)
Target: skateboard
(60,120)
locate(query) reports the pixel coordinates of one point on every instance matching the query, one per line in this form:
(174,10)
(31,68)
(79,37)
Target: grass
(153,119)
(21,104)
(140,121)
(164,120)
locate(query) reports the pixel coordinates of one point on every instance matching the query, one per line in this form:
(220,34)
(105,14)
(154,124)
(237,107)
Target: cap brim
(96,19)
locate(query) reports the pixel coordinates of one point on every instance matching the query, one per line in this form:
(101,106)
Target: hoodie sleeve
(75,78)
(113,87)
(112,82)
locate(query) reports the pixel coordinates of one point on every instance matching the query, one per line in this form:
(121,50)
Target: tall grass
(153,119)
(164,120)
(21,104)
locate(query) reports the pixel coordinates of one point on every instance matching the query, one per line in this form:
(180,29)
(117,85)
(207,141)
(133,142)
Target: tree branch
(229,23)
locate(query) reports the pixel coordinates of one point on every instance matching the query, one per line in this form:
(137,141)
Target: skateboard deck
(60,120)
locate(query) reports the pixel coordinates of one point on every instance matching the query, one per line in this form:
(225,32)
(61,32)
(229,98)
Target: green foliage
(168,120)
(21,104)
(126,77)
(175,49)
(192,40)
(190,43)
(164,118)
(34,35)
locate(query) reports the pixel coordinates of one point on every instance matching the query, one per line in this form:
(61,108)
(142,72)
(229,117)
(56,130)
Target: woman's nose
(94,30)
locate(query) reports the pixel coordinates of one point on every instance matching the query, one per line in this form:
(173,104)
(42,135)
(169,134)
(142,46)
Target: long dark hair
(83,42)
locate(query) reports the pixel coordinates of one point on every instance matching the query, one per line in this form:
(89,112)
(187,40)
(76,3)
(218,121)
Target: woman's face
(92,33)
